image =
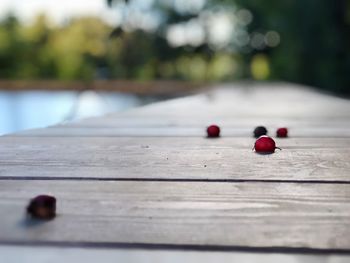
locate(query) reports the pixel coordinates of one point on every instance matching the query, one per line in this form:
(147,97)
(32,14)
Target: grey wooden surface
(150,177)
(183,213)
(196,158)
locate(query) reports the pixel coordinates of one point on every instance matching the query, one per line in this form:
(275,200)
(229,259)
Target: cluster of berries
(263,144)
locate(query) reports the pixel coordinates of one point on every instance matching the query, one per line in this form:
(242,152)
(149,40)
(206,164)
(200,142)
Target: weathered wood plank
(63,254)
(169,158)
(182,213)
(70,131)
(124,120)
(238,108)
(269,100)
(165,141)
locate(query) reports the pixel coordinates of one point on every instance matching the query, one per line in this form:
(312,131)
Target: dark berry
(42,207)
(213,131)
(265,144)
(282,132)
(259,131)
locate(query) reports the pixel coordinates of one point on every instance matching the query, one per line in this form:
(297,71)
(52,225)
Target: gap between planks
(176,247)
(33,178)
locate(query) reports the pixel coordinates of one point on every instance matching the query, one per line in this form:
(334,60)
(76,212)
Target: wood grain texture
(229,214)
(166,141)
(168,158)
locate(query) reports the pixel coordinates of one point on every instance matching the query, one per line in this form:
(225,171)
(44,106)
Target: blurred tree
(10,47)
(80,48)
(314,38)
(37,60)
(202,40)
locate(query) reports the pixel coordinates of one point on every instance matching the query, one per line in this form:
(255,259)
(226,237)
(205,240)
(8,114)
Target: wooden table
(148,182)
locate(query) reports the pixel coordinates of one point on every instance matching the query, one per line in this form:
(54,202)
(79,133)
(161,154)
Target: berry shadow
(30,222)
(264,153)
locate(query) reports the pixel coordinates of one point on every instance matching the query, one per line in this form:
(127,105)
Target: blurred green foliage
(39,51)
(313,45)
(315,41)
(84,49)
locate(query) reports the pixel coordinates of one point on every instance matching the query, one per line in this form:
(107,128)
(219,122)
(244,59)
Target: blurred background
(65,60)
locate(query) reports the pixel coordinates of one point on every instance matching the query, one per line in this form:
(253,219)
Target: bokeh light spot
(272,39)
(260,68)
(245,17)
(257,41)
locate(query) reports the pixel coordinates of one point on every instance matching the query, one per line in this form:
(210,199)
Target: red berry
(282,132)
(42,207)
(213,131)
(265,144)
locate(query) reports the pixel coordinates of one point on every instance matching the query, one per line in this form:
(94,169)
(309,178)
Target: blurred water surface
(20,110)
